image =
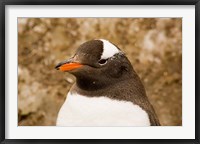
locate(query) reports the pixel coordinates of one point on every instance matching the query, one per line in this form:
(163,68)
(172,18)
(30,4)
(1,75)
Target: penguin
(107,91)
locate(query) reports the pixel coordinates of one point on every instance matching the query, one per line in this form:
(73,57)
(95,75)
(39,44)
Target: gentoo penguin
(107,91)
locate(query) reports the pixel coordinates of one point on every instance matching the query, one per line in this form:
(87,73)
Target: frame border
(3,4)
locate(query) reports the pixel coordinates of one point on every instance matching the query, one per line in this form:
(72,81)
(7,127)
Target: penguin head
(97,63)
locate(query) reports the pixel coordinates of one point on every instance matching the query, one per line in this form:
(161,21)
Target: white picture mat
(187,131)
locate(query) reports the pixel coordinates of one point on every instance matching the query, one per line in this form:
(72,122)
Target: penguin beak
(68,65)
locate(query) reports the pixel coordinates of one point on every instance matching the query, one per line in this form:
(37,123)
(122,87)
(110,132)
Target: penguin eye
(102,61)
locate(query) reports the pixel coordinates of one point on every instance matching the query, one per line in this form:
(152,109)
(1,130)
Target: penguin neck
(92,83)
(94,87)
(96,82)
(89,84)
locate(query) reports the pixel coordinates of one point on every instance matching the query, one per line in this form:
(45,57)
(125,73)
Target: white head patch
(109,49)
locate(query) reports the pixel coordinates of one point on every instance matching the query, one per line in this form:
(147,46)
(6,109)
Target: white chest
(100,111)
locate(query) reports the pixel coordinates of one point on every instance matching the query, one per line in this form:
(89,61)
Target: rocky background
(154,47)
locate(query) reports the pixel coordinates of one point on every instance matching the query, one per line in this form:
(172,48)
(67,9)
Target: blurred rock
(31,93)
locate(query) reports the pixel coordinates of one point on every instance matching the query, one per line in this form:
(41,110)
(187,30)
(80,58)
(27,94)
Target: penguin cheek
(116,71)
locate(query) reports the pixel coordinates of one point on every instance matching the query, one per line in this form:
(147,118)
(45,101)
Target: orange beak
(68,65)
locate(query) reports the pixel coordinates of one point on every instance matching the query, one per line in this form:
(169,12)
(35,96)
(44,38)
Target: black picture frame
(4,3)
